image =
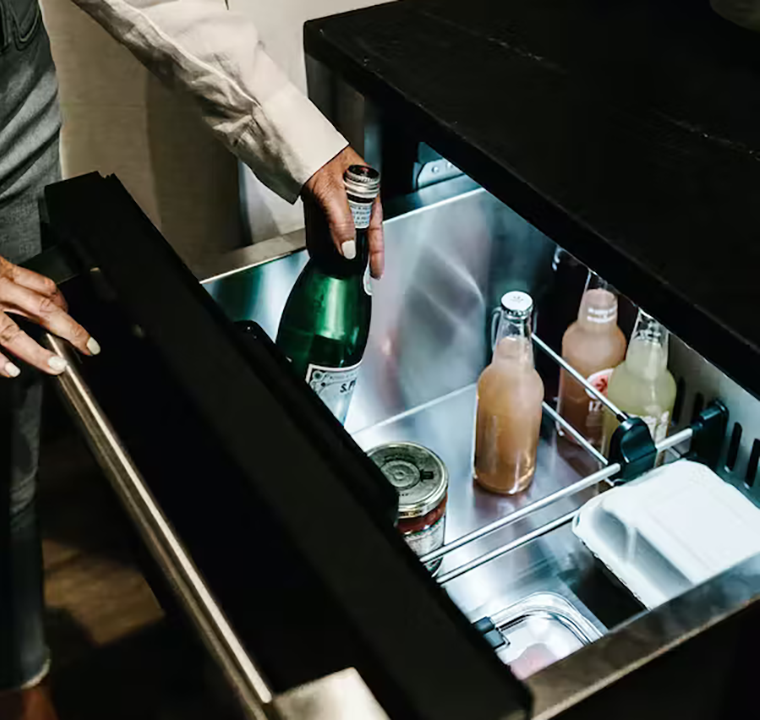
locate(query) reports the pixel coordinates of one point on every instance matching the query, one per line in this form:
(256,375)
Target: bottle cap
(517,304)
(362,181)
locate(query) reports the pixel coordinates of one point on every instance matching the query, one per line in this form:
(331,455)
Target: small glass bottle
(510,394)
(594,345)
(643,386)
(556,311)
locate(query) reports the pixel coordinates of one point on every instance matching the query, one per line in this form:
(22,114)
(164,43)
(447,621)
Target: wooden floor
(115,655)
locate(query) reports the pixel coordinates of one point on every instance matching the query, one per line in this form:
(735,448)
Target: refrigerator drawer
(276,532)
(269,524)
(448,261)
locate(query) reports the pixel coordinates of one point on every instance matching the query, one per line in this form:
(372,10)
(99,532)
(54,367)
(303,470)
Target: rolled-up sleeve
(216,56)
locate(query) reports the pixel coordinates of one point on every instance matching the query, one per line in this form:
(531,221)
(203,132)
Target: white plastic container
(670,530)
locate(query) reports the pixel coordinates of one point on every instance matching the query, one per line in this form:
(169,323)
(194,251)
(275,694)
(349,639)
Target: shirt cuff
(306,141)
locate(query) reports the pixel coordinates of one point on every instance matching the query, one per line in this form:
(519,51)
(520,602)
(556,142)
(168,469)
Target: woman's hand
(326,191)
(37,298)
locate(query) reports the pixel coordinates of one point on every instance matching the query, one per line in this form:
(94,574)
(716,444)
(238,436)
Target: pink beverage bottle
(594,345)
(510,394)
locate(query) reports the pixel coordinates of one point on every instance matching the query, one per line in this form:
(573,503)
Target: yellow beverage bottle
(642,385)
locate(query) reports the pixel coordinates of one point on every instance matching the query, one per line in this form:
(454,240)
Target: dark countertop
(628,131)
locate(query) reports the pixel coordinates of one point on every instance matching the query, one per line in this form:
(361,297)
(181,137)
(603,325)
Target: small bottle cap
(362,181)
(517,304)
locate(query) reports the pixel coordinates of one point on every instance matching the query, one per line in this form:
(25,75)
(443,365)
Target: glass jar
(422,482)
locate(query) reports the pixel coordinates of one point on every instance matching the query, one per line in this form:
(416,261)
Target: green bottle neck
(330,262)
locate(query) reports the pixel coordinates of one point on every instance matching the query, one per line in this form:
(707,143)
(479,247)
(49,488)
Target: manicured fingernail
(12,370)
(348,249)
(93,346)
(57,364)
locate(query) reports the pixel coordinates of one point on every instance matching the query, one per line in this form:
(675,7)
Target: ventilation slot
(733,447)
(754,456)
(699,405)
(680,394)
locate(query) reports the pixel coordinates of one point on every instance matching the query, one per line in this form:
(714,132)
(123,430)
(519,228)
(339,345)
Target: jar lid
(362,181)
(417,473)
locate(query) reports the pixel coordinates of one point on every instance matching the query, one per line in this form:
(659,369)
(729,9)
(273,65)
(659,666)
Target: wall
(119,119)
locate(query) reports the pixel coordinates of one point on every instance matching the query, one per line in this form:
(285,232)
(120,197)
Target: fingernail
(57,364)
(348,249)
(93,346)
(12,370)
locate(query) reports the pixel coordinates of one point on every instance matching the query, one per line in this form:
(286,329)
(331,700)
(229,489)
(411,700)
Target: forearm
(216,56)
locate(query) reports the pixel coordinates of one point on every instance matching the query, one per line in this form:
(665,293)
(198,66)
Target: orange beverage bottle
(510,394)
(594,345)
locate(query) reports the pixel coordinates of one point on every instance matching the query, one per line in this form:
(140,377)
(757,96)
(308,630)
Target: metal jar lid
(362,181)
(417,473)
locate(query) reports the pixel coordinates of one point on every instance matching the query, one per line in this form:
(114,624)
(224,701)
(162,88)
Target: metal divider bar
(670,442)
(167,550)
(579,437)
(504,549)
(597,477)
(614,409)
(587,482)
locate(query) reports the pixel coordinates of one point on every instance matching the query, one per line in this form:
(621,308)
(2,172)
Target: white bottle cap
(517,304)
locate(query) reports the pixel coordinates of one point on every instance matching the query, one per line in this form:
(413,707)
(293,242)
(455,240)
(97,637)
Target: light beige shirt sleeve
(216,56)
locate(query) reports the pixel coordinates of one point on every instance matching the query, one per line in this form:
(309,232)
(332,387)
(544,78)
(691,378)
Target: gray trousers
(29,160)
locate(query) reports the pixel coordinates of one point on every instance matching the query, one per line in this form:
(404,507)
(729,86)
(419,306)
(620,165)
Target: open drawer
(275,531)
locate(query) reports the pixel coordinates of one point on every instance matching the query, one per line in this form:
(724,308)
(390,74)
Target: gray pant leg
(23,653)
(29,127)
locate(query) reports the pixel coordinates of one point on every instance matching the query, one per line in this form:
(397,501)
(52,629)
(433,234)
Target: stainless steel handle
(166,548)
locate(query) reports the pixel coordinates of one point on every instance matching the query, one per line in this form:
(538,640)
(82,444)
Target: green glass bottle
(325,324)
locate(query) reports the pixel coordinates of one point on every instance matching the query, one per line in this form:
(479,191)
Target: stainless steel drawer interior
(449,259)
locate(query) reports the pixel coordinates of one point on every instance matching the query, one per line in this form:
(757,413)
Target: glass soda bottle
(642,385)
(594,345)
(325,323)
(556,312)
(510,394)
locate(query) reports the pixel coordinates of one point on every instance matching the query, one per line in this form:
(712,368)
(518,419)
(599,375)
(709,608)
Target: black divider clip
(491,633)
(709,434)
(633,448)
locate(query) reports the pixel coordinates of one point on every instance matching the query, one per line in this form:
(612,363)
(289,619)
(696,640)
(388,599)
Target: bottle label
(426,541)
(367,281)
(600,380)
(335,386)
(362,212)
(658,426)
(602,316)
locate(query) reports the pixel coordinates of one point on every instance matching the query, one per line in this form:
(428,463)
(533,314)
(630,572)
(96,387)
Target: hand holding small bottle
(325,324)
(326,203)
